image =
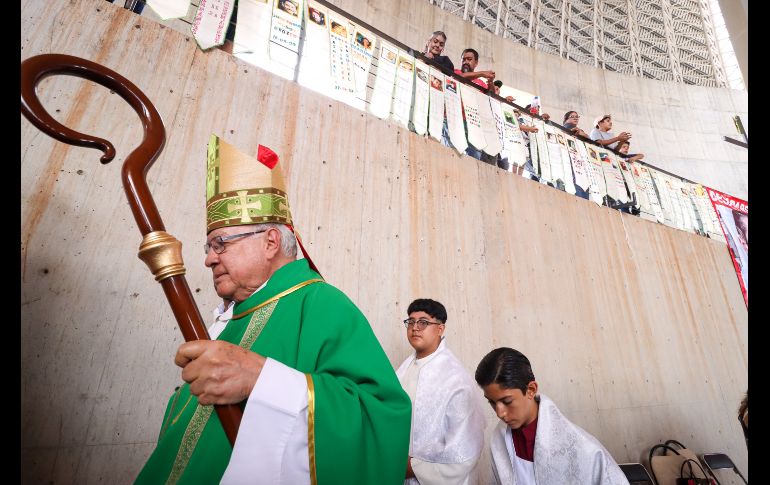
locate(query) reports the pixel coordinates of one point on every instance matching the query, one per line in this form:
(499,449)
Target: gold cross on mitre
(244,205)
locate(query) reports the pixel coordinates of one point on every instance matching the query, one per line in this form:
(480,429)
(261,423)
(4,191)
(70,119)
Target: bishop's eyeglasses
(218,243)
(419,324)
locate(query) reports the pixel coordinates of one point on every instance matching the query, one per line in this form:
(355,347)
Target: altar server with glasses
(447,422)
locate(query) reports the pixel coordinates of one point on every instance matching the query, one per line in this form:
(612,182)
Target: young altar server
(447,423)
(534,443)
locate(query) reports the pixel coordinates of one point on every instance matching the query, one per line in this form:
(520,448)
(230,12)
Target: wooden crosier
(159,250)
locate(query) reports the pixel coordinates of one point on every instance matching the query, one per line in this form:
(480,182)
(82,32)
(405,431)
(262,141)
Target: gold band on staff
(162,253)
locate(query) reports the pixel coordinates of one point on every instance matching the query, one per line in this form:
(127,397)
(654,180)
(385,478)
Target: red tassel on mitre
(267,156)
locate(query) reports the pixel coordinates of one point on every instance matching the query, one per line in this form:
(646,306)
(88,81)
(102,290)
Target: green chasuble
(359,413)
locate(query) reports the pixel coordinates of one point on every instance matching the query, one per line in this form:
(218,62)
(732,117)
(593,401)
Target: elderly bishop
(321,402)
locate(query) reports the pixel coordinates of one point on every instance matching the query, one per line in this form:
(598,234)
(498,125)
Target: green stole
(358,415)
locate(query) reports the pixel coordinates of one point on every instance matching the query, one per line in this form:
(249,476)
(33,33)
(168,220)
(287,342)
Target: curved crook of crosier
(35,69)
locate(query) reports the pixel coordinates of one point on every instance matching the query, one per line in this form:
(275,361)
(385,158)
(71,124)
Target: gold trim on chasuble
(202,413)
(311,428)
(278,296)
(190,439)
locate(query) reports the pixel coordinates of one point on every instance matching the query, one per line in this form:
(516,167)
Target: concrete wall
(638,331)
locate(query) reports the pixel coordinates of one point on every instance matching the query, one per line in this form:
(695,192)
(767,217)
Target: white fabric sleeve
(271,447)
(428,473)
(216,328)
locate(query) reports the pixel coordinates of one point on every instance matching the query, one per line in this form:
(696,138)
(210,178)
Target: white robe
(271,447)
(447,434)
(564,453)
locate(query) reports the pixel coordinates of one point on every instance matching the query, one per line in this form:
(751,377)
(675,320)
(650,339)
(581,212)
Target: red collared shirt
(476,81)
(524,441)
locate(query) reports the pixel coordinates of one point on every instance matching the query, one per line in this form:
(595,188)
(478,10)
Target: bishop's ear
(273,242)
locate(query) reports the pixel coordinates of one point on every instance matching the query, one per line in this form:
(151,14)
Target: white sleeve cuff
(271,447)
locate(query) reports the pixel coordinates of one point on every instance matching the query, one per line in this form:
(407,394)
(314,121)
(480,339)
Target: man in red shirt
(470,59)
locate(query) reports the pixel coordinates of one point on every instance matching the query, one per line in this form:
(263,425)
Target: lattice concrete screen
(669,40)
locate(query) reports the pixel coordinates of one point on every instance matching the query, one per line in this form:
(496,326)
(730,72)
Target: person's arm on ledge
(478,74)
(623,136)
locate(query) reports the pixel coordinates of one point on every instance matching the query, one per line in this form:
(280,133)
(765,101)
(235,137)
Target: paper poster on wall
(285,32)
(497,113)
(363,52)
(670,185)
(514,146)
(169,9)
(554,155)
(472,117)
(667,201)
(454,115)
(708,215)
(542,150)
(488,124)
(652,194)
(530,144)
(598,189)
(690,220)
(436,106)
(702,226)
(315,64)
(580,168)
(252,32)
(341,58)
(642,198)
(628,178)
(689,194)
(616,186)
(685,206)
(733,215)
(534,157)
(402,96)
(645,192)
(384,81)
(664,197)
(566,163)
(421,97)
(211,22)
(599,193)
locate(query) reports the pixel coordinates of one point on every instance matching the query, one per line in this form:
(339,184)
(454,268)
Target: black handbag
(692,479)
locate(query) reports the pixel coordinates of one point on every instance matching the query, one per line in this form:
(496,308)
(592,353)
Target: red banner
(733,216)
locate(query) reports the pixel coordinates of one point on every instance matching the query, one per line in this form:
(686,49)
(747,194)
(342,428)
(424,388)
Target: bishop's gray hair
(288,240)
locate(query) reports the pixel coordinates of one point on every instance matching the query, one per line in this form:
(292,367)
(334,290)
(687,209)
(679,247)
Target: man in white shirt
(602,135)
(447,433)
